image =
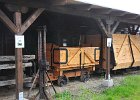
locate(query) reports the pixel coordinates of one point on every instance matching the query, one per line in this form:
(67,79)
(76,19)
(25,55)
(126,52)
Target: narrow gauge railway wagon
(68,62)
(126,50)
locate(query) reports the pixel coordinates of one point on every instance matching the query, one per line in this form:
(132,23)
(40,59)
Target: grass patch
(128,90)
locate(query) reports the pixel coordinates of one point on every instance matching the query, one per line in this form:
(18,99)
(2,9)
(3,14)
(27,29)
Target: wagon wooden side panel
(91,55)
(122,51)
(75,57)
(135,42)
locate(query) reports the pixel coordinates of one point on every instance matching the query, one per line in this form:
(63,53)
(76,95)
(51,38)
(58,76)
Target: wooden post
(108,31)
(44,44)
(18,59)
(108,54)
(19,29)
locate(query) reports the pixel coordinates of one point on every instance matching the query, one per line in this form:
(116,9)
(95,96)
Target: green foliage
(66,95)
(128,90)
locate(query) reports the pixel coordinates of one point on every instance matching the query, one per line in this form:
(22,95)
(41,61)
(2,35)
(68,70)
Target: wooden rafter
(115,27)
(89,14)
(102,26)
(41,3)
(23,27)
(102,11)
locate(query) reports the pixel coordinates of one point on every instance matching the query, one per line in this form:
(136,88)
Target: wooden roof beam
(64,2)
(14,28)
(27,3)
(102,11)
(131,16)
(118,13)
(89,14)
(41,3)
(15,8)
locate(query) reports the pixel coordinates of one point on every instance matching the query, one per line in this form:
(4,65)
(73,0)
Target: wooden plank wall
(91,40)
(6,41)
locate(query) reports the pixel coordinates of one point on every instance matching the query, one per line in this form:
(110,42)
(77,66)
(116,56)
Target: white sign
(109,42)
(19,41)
(21,96)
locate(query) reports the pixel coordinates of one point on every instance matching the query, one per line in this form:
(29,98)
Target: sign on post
(19,41)
(21,96)
(109,42)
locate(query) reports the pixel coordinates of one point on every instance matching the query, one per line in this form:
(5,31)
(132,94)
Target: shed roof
(129,5)
(75,7)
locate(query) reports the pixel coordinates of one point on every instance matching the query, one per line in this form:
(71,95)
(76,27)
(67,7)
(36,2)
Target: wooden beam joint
(23,27)
(107,26)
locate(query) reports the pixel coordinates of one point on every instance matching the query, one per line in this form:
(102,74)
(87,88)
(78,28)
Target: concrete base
(108,83)
(25,99)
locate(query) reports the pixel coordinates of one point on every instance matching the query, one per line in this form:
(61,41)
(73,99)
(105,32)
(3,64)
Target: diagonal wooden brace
(15,29)
(8,22)
(31,19)
(115,27)
(102,26)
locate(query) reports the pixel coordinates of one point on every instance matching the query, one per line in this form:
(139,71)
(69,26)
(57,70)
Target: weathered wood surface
(10,82)
(104,52)
(12,58)
(135,41)
(87,57)
(122,51)
(12,66)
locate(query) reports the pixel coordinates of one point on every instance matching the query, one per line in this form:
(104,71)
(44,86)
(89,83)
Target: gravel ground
(74,86)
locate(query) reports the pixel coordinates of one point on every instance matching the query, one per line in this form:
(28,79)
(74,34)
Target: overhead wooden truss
(73,7)
(14,28)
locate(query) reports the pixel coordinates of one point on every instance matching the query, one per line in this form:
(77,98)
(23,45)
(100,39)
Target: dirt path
(94,84)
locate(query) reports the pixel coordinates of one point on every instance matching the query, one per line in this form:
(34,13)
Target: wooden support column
(109,23)
(19,29)
(18,59)
(108,30)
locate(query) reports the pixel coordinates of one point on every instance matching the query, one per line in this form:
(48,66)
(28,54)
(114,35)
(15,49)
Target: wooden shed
(70,17)
(74,59)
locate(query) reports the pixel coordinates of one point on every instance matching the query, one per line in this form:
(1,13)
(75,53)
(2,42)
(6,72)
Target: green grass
(128,90)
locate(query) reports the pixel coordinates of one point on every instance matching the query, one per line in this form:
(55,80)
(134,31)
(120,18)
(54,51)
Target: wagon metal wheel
(62,80)
(66,79)
(84,76)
